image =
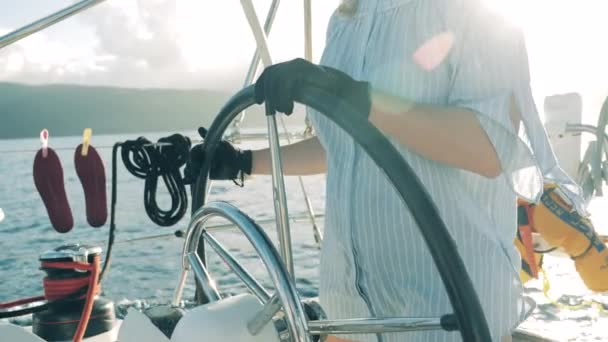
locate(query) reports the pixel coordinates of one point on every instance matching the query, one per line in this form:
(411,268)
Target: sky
(208,44)
(149,43)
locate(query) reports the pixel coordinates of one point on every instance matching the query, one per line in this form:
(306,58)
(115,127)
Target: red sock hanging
(48,178)
(92,175)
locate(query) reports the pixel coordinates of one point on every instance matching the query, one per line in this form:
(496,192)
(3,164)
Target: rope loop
(149,161)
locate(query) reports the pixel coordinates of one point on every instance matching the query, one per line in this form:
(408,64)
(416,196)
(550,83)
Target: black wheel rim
(469,314)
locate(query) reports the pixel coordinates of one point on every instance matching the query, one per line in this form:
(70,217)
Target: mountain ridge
(67,109)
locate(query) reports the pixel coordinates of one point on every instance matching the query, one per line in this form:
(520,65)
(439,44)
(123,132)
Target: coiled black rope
(149,161)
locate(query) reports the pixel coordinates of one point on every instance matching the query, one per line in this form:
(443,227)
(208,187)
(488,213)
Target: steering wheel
(468,314)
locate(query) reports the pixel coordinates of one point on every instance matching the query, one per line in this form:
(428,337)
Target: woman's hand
(279,86)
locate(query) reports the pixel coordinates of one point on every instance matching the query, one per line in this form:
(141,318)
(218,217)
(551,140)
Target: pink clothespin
(44,139)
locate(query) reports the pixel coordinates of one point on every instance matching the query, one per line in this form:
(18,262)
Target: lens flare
(430,54)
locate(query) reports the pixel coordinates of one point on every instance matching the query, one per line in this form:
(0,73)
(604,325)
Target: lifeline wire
(231,138)
(179,233)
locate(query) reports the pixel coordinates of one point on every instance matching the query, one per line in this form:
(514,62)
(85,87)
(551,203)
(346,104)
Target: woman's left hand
(279,85)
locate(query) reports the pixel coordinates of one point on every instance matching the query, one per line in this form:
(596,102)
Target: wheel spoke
(287,295)
(249,281)
(265,315)
(203,277)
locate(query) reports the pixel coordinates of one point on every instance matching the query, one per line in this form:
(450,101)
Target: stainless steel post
(255,60)
(308,30)
(280,197)
(278,184)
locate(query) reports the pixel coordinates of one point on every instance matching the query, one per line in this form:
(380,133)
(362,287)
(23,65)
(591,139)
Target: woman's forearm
(450,135)
(306,157)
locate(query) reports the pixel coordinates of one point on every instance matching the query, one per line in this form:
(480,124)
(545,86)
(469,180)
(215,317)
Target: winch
(75,308)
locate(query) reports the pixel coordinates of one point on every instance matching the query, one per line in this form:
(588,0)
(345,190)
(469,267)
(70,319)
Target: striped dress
(374,261)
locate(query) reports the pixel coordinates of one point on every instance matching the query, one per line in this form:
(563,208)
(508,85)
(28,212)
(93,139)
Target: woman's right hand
(228,162)
(279,84)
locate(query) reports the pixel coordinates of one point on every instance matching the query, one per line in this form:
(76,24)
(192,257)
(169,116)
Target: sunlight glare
(220,37)
(566,44)
(520,12)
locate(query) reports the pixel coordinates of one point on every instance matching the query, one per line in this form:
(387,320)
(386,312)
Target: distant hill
(65,109)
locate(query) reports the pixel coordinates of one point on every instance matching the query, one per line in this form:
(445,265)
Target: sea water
(145,272)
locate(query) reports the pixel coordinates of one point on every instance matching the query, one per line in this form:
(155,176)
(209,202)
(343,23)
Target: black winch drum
(60,320)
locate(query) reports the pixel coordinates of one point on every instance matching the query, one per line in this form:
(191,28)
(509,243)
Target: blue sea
(145,272)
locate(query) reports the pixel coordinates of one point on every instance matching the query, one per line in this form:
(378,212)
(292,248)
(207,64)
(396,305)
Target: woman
(448,84)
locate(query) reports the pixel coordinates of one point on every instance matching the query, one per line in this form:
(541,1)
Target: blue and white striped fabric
(374,260)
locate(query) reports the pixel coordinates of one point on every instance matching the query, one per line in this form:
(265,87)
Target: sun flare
(565,41)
